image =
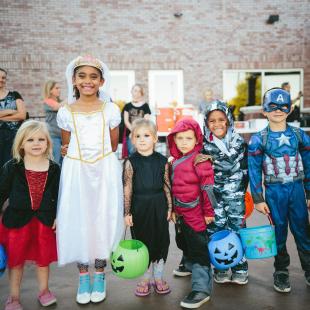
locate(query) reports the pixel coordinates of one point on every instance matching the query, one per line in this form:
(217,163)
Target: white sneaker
(99,288)
(84,290)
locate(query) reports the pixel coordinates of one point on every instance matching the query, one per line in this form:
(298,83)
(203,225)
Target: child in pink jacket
(192,190)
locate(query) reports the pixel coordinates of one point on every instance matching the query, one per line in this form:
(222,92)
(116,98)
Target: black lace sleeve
(127,180)
(167,187)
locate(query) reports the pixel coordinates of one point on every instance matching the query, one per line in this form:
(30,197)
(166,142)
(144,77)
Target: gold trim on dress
(89,161)
(77,138)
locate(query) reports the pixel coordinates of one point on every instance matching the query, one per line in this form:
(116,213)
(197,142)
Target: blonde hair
(48,86)
(146,123)
(140,87)
(26,130)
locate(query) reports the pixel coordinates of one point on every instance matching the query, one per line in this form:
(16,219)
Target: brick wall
(38,39)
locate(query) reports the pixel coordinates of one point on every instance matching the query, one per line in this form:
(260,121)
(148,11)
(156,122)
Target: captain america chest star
(282,157)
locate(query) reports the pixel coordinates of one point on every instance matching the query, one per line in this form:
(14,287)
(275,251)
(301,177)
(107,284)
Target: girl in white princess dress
(90,204)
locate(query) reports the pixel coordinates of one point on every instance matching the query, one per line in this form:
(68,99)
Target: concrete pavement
(257,294)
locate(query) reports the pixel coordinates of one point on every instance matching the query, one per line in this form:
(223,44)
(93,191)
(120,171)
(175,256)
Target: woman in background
(12,113)
(51,107)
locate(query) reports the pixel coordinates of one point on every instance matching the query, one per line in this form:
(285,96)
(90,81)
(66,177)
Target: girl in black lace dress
(148,203)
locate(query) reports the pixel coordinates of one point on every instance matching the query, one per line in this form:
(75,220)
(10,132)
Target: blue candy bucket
(259,242)
(225,249)
(3,260)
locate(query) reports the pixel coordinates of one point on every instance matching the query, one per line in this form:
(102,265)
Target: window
(165,88)
(243,88)
(121,84)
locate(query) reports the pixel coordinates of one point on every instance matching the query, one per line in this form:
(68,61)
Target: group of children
(201,189)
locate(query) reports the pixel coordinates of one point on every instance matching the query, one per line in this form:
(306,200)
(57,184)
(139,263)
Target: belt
(288,179)
(190,204)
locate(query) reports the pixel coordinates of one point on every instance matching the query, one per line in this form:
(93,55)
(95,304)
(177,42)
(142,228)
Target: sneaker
(181,271)
(99,288)
(281,282)
(84,290)
(194,300)
(221,276)
(240,278)
(47,298)
(13,304)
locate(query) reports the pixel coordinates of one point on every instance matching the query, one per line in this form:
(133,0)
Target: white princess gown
(90,202)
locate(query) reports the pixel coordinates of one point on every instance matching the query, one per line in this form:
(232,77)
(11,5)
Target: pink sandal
(13,304)
(161,287)
(143,289)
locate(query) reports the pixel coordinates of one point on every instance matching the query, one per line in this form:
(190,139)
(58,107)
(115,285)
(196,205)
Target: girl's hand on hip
(262,207)
(128,220)
(209,220)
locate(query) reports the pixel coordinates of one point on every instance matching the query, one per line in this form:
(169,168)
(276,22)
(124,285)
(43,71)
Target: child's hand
(209,220)
(128,220)
(308,204)
(54,226)
(200,158)
(173,217)
(262,207)
(64,150)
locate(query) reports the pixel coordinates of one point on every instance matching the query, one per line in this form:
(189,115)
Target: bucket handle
(132,234)
(270,219)
(268,216)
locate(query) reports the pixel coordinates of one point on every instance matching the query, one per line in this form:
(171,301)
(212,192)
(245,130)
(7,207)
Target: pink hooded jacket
(192,186)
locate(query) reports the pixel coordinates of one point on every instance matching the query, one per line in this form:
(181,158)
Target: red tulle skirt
(34,242)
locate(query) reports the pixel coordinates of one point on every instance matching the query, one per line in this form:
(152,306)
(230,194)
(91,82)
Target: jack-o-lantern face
(226,256)
(117,264)
(130,259)
(225,249)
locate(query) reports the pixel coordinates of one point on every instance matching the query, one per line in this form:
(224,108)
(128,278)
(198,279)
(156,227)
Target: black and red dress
(35,240)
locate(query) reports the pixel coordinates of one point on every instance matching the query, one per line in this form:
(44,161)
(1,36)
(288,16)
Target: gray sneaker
(194,300)
(240,278)
(281,282)
(221,276)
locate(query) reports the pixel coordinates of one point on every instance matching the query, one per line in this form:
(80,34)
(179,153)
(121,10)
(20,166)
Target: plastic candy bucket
(225,249)
(130,259)
(259,242)
(3,260)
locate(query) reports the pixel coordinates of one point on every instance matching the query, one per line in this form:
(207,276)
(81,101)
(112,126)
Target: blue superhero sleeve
(305,156)
(255,167)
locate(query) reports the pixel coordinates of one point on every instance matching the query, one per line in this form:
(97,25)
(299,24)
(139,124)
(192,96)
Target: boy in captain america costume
(282,154)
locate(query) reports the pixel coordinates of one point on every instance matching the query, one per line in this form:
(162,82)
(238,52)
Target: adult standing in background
(207,99)
(51,107)
(295,114)
(138,108)
(12,113)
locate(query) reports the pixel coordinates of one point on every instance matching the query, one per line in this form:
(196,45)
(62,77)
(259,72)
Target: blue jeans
(195,248)
(202,279)
(56,149)
(131,148)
